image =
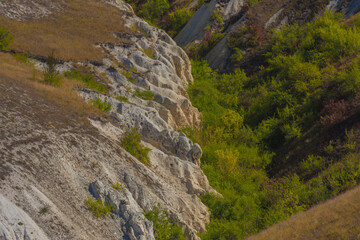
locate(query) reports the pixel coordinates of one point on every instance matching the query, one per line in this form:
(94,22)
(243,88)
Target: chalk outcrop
(51,161)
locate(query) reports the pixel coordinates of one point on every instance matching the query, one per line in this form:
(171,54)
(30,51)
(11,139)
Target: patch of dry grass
(65,96)
(338,218)
(71,33)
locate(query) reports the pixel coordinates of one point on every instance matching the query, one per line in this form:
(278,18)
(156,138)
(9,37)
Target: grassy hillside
(337,218)
(286,138)
(71,33)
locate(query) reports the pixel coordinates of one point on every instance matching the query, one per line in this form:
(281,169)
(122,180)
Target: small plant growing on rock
(122,99)
(102,105)
(98,207)
(117,186)
(164,227)
(131,142)
(87,79)
(128,76)
(149,52)
(44,209)
(146,95)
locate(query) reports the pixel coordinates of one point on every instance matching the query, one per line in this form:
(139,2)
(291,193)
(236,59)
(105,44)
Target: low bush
(51,75)
(102,105)
(98,207)
(87,79)
(153,10)
(122,99)
(178,18)
(117,186)
(131,142)
(5,38)
(164,227)
(146,95)
(148,52)
(128,76)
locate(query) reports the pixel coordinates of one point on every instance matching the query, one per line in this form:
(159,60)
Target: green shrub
(131,142)
(98,207)
(164,227)
(5,38)
(51,75)
(216,17)
(313,164)
(179,18)
(102,105)
(21,57)
(128,76)
(122,99)
(148,52)
(117,186)
(153,10)
(87,79)
(237,56)
(146,95)
(44,209)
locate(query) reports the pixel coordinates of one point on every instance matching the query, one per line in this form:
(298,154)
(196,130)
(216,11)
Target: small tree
(51,75)
(5,38)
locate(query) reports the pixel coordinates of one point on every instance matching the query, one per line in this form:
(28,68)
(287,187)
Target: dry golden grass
(65,96)
(71,33)
(338,218)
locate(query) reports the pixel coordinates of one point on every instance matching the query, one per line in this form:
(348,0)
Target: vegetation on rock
(131,142)
(164,227)
(87,79)
(102,105)
(98,207)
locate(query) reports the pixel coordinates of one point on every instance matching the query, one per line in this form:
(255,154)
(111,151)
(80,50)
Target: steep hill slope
(54,157)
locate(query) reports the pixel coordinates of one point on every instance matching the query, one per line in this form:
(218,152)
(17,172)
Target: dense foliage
(169,15)
(164,227)
(247,121)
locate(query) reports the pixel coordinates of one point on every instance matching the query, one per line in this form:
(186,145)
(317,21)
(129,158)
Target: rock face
(51,161)
(194,30)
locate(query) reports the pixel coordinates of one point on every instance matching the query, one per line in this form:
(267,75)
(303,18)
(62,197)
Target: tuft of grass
(44,209)
(149,52)
(146,95)
(98,207)
(122,99)
(21,57)
(87,79)
(5,38)
(102,105)
(128,76)
(117,186)
(131,142)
